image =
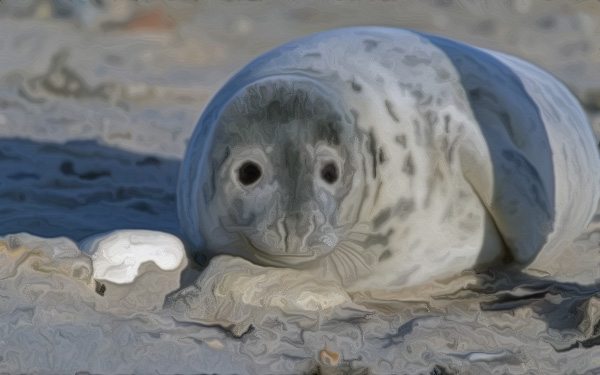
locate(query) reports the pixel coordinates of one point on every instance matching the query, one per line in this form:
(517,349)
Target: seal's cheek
(234,214)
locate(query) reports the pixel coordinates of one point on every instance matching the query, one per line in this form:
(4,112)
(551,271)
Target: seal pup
(384,158)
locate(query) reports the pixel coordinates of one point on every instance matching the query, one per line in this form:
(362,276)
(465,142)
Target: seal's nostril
(329,173)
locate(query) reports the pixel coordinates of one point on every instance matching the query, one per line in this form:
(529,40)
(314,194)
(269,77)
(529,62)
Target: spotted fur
(387,158)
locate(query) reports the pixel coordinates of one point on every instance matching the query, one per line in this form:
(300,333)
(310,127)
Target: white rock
(117,256)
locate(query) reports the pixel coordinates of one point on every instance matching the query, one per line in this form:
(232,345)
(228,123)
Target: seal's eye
(329,173)
(249,173)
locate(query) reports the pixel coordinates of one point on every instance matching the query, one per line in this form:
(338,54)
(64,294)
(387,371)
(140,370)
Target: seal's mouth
(280,256)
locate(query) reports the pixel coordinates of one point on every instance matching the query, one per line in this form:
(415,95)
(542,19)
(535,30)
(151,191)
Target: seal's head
(278,181)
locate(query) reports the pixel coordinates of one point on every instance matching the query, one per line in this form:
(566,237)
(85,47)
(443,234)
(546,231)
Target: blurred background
(98,98)
(136,74)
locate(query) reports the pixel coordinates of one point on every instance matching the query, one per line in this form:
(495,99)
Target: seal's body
(384,157)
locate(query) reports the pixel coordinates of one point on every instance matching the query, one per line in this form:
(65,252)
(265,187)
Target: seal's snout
(306,232)
(297,228)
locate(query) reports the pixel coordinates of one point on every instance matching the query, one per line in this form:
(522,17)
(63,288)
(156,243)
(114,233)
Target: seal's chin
(292,253)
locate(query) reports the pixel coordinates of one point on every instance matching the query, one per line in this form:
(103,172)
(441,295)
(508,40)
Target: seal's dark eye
(249,173)
(329,173)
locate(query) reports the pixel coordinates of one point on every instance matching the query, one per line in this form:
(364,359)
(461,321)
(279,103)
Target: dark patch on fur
(275,111)
(377,191)
(432,183)
(355,86)
(431,117)
(313,54)
(373,151)
(390,110)
(401,139)
(379,239)
(413,60)
(385,256)
(382,158)
(418,93)
(280,102)
(451,148)
(418,130)
(404,207)
(381,218)
(427,101)
(442,74)
(405,86)
(447,124)
(370,45)
(329,133)
(409,166)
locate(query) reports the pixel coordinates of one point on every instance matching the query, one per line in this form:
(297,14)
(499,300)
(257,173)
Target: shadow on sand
(82,188)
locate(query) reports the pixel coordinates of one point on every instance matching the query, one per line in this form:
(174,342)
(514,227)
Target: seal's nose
(296,223)
(297,229)
(300,188)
